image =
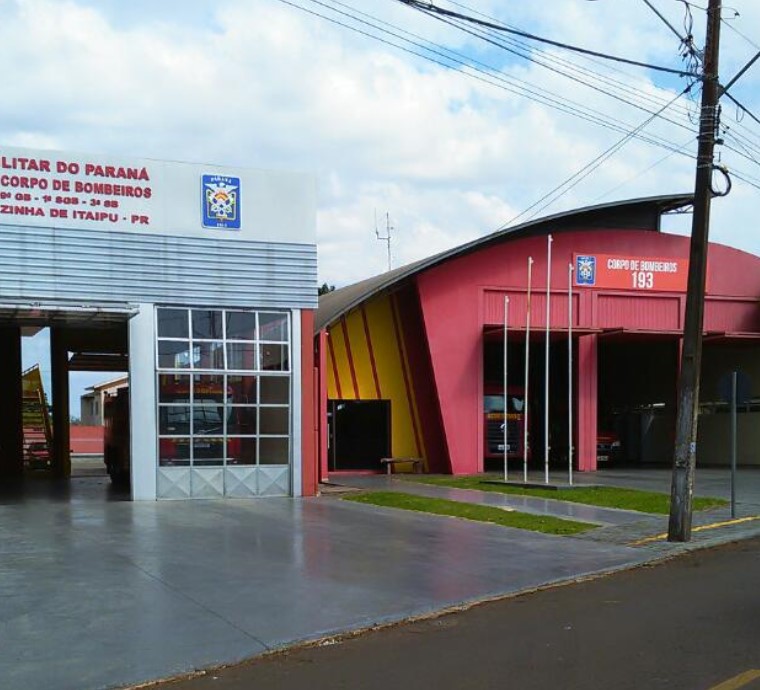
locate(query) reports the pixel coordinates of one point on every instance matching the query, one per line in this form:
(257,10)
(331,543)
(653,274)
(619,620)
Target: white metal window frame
(258,342)
(258,373)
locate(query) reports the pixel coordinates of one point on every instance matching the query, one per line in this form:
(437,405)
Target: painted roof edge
(335,304)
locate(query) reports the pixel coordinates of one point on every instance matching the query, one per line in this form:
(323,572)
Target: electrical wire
(558,64)
(445,57)
(572,77)
(664,20)
(728,25)
(577,177)
(641,173)
(688,25)
(434,10)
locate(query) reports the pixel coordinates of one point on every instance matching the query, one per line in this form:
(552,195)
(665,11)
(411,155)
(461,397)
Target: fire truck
(116,436)
(495,418)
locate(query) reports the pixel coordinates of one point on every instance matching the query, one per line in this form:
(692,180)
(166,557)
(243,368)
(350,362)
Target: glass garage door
(224,391)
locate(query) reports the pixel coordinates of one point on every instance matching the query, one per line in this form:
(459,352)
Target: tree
(324,289)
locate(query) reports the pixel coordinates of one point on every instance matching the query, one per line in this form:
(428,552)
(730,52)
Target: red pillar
(588,363)
(322,404)
(308,404)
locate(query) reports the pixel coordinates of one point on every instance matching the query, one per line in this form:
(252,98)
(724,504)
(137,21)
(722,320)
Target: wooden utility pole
(679,526)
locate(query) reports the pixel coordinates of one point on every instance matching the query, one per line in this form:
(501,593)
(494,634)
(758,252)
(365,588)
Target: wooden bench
(391,463)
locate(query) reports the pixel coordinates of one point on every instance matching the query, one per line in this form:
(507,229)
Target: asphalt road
(691,624)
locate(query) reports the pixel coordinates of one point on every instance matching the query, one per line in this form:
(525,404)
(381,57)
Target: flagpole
(527,374)
(506,380)
(546,358)
(570,373)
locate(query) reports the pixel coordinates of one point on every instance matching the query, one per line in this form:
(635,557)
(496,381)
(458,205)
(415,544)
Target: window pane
(275,390)
(208,451)
(173,420)
(274,420)
(173,355)
(172,323)
(241,325)
(241,451)
(207,324)
(273,327)
(273,451)
(241,389)
(274,357)
(241,356)
(174,451)
(174,388)
(241,420)
(208,419)
(208,388)
(208,355)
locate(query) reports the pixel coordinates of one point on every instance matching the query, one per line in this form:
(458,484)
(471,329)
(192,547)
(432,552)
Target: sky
(448,156)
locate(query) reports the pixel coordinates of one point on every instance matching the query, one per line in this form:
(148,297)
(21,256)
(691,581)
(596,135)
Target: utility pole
(682,488)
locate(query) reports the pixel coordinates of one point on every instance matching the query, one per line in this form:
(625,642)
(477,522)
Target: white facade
(99,235)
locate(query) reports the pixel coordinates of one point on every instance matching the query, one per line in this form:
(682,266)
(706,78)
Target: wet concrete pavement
(96,592)
(624,632)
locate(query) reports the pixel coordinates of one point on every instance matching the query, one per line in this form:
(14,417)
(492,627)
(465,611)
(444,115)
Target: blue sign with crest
(585,270)
(220,201)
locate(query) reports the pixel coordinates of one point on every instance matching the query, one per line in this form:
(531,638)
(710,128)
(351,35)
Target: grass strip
(603,496)
(471,511)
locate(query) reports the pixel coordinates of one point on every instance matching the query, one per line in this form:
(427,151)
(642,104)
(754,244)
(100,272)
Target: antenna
(387,237)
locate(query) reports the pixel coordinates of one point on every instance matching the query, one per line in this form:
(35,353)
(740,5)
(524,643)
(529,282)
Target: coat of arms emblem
(585,270)
(221,201)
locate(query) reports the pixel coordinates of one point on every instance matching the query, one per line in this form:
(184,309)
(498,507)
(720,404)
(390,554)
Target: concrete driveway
(97,593)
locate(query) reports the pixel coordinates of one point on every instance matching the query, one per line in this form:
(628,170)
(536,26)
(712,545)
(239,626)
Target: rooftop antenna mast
(387,237)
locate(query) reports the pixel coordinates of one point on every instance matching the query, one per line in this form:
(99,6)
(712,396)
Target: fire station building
(411,362)
(198,281)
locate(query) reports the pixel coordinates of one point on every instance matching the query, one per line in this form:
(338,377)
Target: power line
(587,169)
(643,172)
(572,77)
(728,25)
(445,57)
(665,21)
(746,111)
(433,10)
(478,32)
(530,51)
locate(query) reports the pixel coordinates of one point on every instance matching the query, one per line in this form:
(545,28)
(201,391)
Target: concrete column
(143,435)
(588,365)
(11,417)
(297,403)
(59,364)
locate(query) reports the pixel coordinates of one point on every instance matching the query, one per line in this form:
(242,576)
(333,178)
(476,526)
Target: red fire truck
(495,418)
(116,436)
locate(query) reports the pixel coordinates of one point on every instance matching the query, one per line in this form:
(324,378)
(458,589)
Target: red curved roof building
(409,362)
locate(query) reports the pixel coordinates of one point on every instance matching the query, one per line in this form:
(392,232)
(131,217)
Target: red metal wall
(461,296)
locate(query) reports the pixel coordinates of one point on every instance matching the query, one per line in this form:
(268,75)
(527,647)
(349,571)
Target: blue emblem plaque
(220,201)
(585,270)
